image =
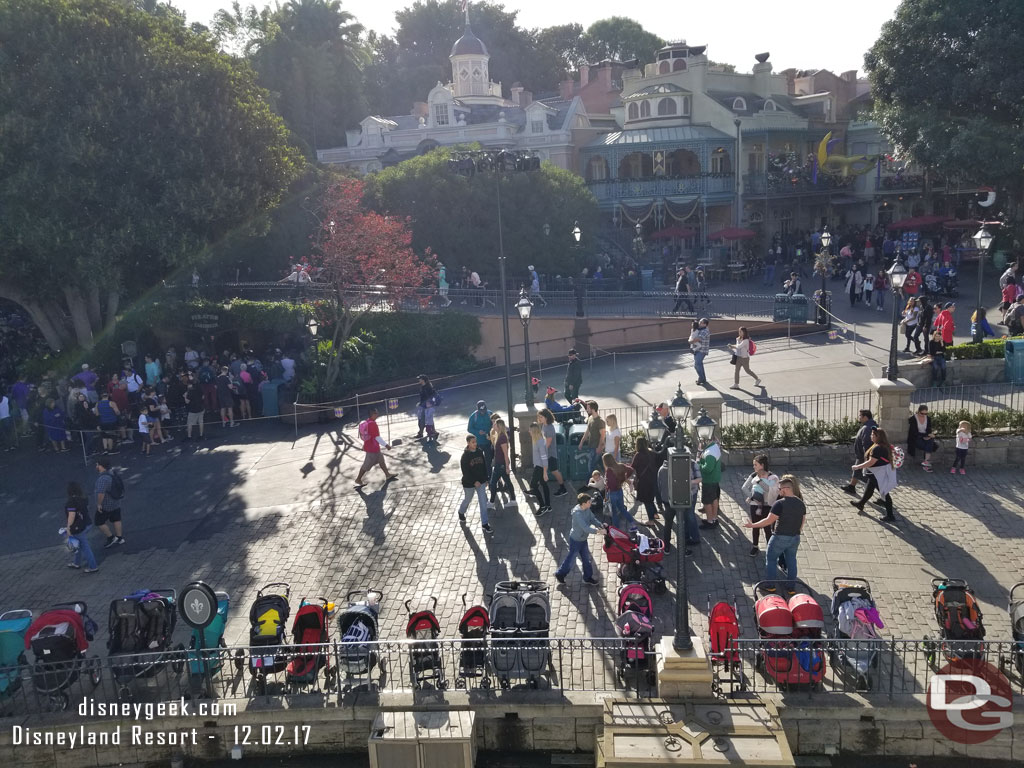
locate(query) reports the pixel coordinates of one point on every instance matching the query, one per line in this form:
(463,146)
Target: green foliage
(808,432)
(412,344)
(1007,421)
(618,37)
(425,191)
(768,434)
(988,349)
(627,446)
(841,430)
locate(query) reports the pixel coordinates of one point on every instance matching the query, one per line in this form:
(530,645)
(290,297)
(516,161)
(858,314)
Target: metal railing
(825,406)
(973,398)
(331,671)
(890,668)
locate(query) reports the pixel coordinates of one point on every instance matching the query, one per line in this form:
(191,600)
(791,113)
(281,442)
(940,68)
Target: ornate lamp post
(524,307)
(313,326)
(983,241)
(638,243)
(577,233)
(826,241)
(897,277)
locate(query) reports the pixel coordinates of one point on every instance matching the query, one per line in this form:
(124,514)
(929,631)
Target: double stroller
(791,654)
(59,639)
(520,619)
(1016,611)
(425,661)
(309,653)
(13,625)
(141,626)
(357,626)
(634,625)
(960,622)
(268,620)
(638,556)
(473,657)
(855,618)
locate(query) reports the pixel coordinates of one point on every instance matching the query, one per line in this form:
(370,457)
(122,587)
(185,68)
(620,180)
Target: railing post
(789,333)
(358,418)
(892,665)
(855,352)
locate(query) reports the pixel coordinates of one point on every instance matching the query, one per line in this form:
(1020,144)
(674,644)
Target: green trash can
(798,308)
(578,467)
(646,280)
(1014,355)
(562,447)
(269,393)
(781,311)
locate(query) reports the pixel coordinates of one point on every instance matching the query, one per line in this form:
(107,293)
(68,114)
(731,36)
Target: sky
(797,33)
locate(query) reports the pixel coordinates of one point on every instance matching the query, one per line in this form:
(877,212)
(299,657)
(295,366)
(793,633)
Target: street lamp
(897,277)
(705,427)
(524,307)
(656,429)
(680,408)
(638,243)
(577,233)
(983,241)
(826,241)
(313,326)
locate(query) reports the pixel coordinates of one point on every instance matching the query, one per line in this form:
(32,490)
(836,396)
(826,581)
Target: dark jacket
(474,469)
(646,464)
(912,432)
(862,442)
(574,373)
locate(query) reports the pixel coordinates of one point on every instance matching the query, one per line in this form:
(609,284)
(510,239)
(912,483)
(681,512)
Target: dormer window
(645,109)
(678,65)
(536,126)
(441,114)
(769,106)
(739,104)
(664,67)
(666,107)
(634,111)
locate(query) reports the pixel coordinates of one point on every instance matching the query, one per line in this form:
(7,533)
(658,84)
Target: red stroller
(634,625)
(473,629)
(425,662)
(793,659)
(638,557)
(310,631)
(723,632)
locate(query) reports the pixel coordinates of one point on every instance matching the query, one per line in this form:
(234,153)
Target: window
(686,105)
(664,68)
(634,111)
(536,126)
(597,169)
(667,107)
(769,106)
(463,73)
(720,163)
(755,158)
(441,114)
(678,64)
(739,104)
(645,109)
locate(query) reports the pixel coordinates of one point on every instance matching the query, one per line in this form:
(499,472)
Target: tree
(456,217)
(368,259)
(945,92)
(620,38)
(124,155)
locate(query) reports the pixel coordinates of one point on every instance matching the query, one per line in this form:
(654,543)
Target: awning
(673,231)
(920,222)
(732,233)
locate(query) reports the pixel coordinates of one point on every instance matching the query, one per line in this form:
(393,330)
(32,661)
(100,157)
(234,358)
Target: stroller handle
(942,583)
(170,594)
(762,587)
(17,613)
(267,587)
(850,581)
(520,586)
(1018,586)
(430,599)
(78,606)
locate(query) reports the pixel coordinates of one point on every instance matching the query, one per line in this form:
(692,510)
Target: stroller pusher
(59,639)
(790,632)
(268,619)
(141,626)
(854,617)
(13,625)
(357,626)
(425,660)
(723,632)
(473,657)
(1016,610)
(308,654)
(634,625)
(520,619)
(960,622)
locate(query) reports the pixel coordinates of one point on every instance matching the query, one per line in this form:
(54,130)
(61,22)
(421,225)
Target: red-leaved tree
(369,262)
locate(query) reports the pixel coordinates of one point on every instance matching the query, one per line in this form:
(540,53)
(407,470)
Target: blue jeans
(880,297)
(618,506)
(84,549)
(499,472)
(691,525)
(769,274)
(785,546)
(481,497)
(938,371)
(596,465)
(698,364)
(582,549)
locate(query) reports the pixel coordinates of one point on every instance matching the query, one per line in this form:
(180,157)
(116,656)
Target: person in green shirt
(710,482)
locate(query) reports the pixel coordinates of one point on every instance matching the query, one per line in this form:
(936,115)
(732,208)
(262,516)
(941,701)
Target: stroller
(853,616)
(520,618)
(1016,611)
(634,625)
(638,557)
(425,662)
(213,638)
(793,658)
(723,632)
(59,639)
(960,622)
(473,660)
(310,634)
(357,626)
(141,625)
(13,625)
(268,618)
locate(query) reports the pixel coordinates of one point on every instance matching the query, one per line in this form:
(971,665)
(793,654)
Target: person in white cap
(535,286)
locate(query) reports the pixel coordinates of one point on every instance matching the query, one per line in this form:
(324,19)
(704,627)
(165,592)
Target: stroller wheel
(261,685)
(442,685)
(95,676)
(460,683)
(239,659)
(124,693)
(179,662)
(485,683)
(504,683)
(534,683)
(64,702)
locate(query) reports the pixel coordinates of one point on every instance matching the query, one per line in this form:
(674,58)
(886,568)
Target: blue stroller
(212,649)
(13,625)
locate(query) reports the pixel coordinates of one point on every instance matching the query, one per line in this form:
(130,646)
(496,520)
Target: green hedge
(944,423)
(768,434)
(990,348)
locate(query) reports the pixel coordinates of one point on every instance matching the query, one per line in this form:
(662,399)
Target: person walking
(535,287)
(613,436)
(881,287)
(944,322)
(861,443)
(145,440)
(741,351)
(963,443)
(109,422)
(501,465)
(442,285)
(194,407)
(225,398)
(573,377)
(615,476)
(700,345)
(684,288)
(594,436)
(109,490)
(425,408)
(710,482)
(920,436)
(56,424)
(583,524)
(547,428)
(911,318)
(923,332)
(369,433)
(788,515)
(474,481)
(761,490)
(480,427)
(77,525)
(539,478)
(645,466)
(877,464)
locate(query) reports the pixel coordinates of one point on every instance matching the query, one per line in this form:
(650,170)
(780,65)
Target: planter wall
(985,371)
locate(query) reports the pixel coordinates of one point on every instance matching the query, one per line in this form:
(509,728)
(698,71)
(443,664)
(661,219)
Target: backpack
(116,486)
(753,347)
(898,457)
(364,430)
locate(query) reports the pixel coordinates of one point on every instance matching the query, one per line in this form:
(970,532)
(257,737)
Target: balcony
(708,184)
(904,183)
(798,183)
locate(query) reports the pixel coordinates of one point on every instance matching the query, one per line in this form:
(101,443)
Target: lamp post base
(684,674)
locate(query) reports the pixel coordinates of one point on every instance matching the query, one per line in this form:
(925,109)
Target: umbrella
(673,231)
(732,233)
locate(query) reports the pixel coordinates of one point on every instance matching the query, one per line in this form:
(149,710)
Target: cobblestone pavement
(283,511)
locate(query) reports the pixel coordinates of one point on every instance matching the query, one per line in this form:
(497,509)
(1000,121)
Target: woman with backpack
(741,352)
(878,465)
(77,525)
(645,464)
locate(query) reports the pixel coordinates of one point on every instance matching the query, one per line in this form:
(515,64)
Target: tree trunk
(48,322)
(93,307)
(79,317)
(113,300)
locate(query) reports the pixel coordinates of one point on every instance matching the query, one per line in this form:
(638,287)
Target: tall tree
(947,79)
(620,38)
(128,144)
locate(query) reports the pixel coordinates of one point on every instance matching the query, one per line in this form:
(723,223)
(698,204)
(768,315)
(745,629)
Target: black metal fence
(822,406)
(973,398)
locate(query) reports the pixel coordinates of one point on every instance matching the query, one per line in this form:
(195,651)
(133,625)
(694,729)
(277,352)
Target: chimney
(790,80)
(763,76)
(584,75)
(516,94)
(566,88)
(849,76)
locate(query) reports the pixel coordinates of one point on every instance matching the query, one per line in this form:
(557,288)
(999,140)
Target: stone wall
(987,371)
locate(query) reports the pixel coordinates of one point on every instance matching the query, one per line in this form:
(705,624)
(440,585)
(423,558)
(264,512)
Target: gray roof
(653,90)
(753,102)
(469,44)
(655,135)
(561,107)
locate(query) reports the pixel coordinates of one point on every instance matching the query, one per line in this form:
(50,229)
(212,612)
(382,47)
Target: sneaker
(926,466)
(851,489)
(490,506)
(708,524)
(120,539)
(735,386)
(462,518)
(111,541)
(758,383)
(487,528)
(543,511)
(754,550)
(74,565)
(91,570)
(560,578)
(562,490)
(359,484)
(952,470)
(963,471)
(389,478)
(591,582)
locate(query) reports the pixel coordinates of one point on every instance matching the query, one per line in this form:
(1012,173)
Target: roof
(469,44)
(652,90)
(556,119)
(654,135)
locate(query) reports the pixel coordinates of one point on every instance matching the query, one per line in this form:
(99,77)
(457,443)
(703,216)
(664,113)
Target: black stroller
(425,662)
(59,639)
(141,626)
(473,661)
(959,617)
(268,622)
(357,626)
(851,610)
(1016,611)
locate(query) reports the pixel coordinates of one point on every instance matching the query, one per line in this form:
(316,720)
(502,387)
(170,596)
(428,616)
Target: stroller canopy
(56,617)
(475,622)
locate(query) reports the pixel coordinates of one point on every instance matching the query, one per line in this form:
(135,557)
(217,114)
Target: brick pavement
(287,512)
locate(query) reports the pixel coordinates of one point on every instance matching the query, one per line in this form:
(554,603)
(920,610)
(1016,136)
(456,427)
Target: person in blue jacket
(480,428)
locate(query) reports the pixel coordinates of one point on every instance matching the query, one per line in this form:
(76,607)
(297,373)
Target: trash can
(781,310)
(646,280)
(1014,355)
(269,392)
(578,468)
(562,446)
(798,308)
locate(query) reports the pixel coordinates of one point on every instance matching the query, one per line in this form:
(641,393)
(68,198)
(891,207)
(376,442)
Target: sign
(205,320)
(970,701)
(198,605)
(339,412)
(392,403)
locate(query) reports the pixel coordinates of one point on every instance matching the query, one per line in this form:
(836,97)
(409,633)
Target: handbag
(733,361)
(903,325)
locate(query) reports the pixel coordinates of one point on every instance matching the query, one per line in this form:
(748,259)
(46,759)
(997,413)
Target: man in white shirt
(7,423)
(288,364)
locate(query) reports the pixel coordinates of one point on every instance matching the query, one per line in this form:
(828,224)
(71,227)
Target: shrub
(787,436)
(627,447)
(842,430)
(808,432)
(990,348)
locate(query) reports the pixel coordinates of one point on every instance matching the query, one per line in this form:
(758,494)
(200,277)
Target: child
(612,436)
(583,525)
(595,489)
(869,286)
(147,442)
(963,442)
